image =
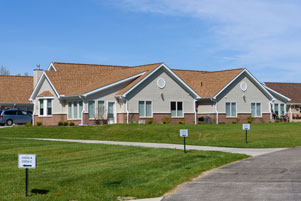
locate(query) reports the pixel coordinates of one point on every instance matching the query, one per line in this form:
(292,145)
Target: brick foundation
(158,118)
(243,118)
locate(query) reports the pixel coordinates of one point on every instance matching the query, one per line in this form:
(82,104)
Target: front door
(111,112)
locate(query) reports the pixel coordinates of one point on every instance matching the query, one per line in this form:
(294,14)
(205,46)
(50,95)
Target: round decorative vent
(243,86)
(161,83)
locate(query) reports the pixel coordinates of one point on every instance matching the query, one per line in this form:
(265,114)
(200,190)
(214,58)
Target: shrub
(28,124)
(66,123)
(71,124)
(200,122)
(166,120)
(212,120)
(150,121)
(181,122)
(250,119)
(60,123)
(262,120)
(39,123)
(234,121)
(277,121)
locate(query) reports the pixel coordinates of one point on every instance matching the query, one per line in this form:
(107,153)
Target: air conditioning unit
(141,122)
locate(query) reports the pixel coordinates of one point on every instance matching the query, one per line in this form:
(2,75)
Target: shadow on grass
(39,191)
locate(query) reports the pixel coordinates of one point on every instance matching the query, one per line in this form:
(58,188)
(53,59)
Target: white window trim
(256,109)
(105,104)
(284,107)
(278,108)
(145,109)
(114,110)
(177,109)
(231,110)
(95,112)
(72,110)
(45,106)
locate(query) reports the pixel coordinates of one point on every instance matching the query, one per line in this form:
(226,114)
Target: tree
(4,71)
(25,74)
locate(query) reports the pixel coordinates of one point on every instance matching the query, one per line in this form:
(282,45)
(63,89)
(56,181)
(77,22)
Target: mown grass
(225,135)
(91,172)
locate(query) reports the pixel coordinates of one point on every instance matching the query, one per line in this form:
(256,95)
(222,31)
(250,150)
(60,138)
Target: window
(80,105)
(69,110)
(75,110)
(49,107)
(41,107)
(282,111)
(101,109)
(276,108)
(91,109)
(176,109)
(256,109)
(45,107)
(231,110)
(145,109)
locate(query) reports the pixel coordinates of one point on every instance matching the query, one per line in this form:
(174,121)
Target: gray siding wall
(234,94)
(161,98)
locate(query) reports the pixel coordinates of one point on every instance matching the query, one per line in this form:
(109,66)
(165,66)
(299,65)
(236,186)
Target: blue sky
(261,35)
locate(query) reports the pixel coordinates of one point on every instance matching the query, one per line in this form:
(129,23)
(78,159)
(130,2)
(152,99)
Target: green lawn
(225,135)
(91,172)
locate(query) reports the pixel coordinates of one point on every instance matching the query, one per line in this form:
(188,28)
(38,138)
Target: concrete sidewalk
(247,151)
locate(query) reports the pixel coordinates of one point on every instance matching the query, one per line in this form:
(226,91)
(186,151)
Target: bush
(28,124)
(250,119)
(212,120)
(277,121)
(181,122)
(200,122)
(39,123)
(236,121)
(150,121)
(66,123)
(60,123)
(262,120)
(71,124)
(166,120)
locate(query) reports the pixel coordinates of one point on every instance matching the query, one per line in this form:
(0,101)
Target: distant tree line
(5,71)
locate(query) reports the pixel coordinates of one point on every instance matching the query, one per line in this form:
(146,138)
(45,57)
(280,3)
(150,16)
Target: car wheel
(9,122)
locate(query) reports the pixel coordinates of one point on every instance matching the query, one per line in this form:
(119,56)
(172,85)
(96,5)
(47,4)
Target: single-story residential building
(95,94)
(284,90)
(14,92)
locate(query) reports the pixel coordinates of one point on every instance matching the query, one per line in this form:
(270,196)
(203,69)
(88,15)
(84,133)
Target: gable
(42,86)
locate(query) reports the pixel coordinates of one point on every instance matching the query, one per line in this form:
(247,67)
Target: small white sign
(246,127)
(184,132)
(27,161)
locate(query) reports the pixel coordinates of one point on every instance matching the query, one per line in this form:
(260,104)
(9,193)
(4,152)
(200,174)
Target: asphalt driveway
(275,176)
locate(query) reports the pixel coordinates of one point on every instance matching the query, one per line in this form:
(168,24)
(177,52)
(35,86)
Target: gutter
(195,112)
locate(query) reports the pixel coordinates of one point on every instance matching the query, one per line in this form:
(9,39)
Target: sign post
(246,127)
(27,161)
(184,133)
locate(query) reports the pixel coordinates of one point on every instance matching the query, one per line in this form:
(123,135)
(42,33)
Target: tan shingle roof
(290,90)
(207,84)
(75,79)
(15,89)
(45,93)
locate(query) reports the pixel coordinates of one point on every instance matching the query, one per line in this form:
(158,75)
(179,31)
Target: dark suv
(17,116)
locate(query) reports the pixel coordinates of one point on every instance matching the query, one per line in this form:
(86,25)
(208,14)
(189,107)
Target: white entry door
(111,113)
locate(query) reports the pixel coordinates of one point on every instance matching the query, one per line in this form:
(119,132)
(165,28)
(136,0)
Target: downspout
(127,111)
(195,112)
(33,112)
(82,119)
(216,110)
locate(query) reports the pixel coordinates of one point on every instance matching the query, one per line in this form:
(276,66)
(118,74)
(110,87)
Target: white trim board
(168,70)
(252,77)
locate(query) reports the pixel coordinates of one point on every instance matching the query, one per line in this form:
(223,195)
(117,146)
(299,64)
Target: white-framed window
(45,107)
(145,109)
(282,109)
(91,109)
(231,109)
(256,110)
(276,108)
(75,109)
(176,108)
(101,108)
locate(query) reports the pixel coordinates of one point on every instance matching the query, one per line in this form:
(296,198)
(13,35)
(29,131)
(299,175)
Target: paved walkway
(275,176)
(247,151)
